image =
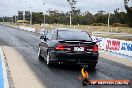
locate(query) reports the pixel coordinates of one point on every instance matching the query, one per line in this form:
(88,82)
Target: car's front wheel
(39,55)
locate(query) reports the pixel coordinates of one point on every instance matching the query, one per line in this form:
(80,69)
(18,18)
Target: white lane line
(6,83)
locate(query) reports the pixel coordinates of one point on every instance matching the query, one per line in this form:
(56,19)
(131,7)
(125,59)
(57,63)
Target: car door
(46,43)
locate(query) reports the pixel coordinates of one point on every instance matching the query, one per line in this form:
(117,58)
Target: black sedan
(68,46)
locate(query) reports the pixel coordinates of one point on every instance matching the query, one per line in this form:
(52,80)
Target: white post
(23,17)
(108,21)
(12,21)
(70,19)
(3,20)
(15,18)
(44,14)
(31,18)
(44,19)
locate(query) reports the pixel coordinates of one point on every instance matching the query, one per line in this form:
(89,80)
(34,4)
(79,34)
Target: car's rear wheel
(48,62)
(39,55)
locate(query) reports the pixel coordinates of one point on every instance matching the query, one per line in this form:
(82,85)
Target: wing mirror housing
(44,38)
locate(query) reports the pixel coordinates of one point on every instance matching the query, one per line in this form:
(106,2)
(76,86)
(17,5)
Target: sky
(11,7)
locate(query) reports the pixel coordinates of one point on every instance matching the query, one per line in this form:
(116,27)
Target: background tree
(86,18)
(101,17)
(37,18)
(129,12)
(1,19)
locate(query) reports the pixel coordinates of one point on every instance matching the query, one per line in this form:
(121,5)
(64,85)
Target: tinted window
(73,35)
(50,35)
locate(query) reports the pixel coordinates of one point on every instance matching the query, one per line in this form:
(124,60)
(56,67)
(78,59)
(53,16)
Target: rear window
(73,35)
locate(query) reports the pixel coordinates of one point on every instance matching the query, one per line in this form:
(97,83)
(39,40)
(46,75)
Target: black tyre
(84,84)
(39,56)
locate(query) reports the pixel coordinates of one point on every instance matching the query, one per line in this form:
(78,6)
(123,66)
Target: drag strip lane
(59,76)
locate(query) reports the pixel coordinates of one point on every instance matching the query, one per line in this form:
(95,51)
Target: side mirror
(44,38)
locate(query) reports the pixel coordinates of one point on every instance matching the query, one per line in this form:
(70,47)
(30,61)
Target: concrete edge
(116,58)
(117,54)
(30,80)
(6,83)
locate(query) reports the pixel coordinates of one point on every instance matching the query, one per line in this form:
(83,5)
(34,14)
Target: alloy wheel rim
(38,52)
(48,59)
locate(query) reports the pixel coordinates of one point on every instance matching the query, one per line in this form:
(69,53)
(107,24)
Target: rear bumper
(78,58)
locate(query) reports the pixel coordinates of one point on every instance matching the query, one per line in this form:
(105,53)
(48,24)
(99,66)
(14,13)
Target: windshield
(73,35)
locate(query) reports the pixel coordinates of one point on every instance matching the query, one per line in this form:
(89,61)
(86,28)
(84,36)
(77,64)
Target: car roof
(67,29)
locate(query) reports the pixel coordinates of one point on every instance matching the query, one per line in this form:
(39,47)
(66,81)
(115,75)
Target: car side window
(50,35)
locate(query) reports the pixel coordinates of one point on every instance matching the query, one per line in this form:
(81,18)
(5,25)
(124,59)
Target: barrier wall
(27,28)
(3,71)
(114,45)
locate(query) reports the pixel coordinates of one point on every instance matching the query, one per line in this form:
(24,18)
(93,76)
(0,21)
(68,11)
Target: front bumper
(83,58)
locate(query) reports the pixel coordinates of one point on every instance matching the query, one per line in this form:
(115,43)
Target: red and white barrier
(114,45)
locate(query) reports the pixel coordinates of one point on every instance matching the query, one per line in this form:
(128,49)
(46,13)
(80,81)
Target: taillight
(95,48)
(59,47)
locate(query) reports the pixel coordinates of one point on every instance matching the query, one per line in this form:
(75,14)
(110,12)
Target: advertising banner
(114,45)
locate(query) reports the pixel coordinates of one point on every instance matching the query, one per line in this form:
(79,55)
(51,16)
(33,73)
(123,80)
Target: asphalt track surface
(60,76)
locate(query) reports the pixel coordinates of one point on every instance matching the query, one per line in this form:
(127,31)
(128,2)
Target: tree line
(87,18)
(99,19)
(129,12)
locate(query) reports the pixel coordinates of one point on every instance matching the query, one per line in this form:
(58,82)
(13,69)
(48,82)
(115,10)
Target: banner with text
(114,45)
